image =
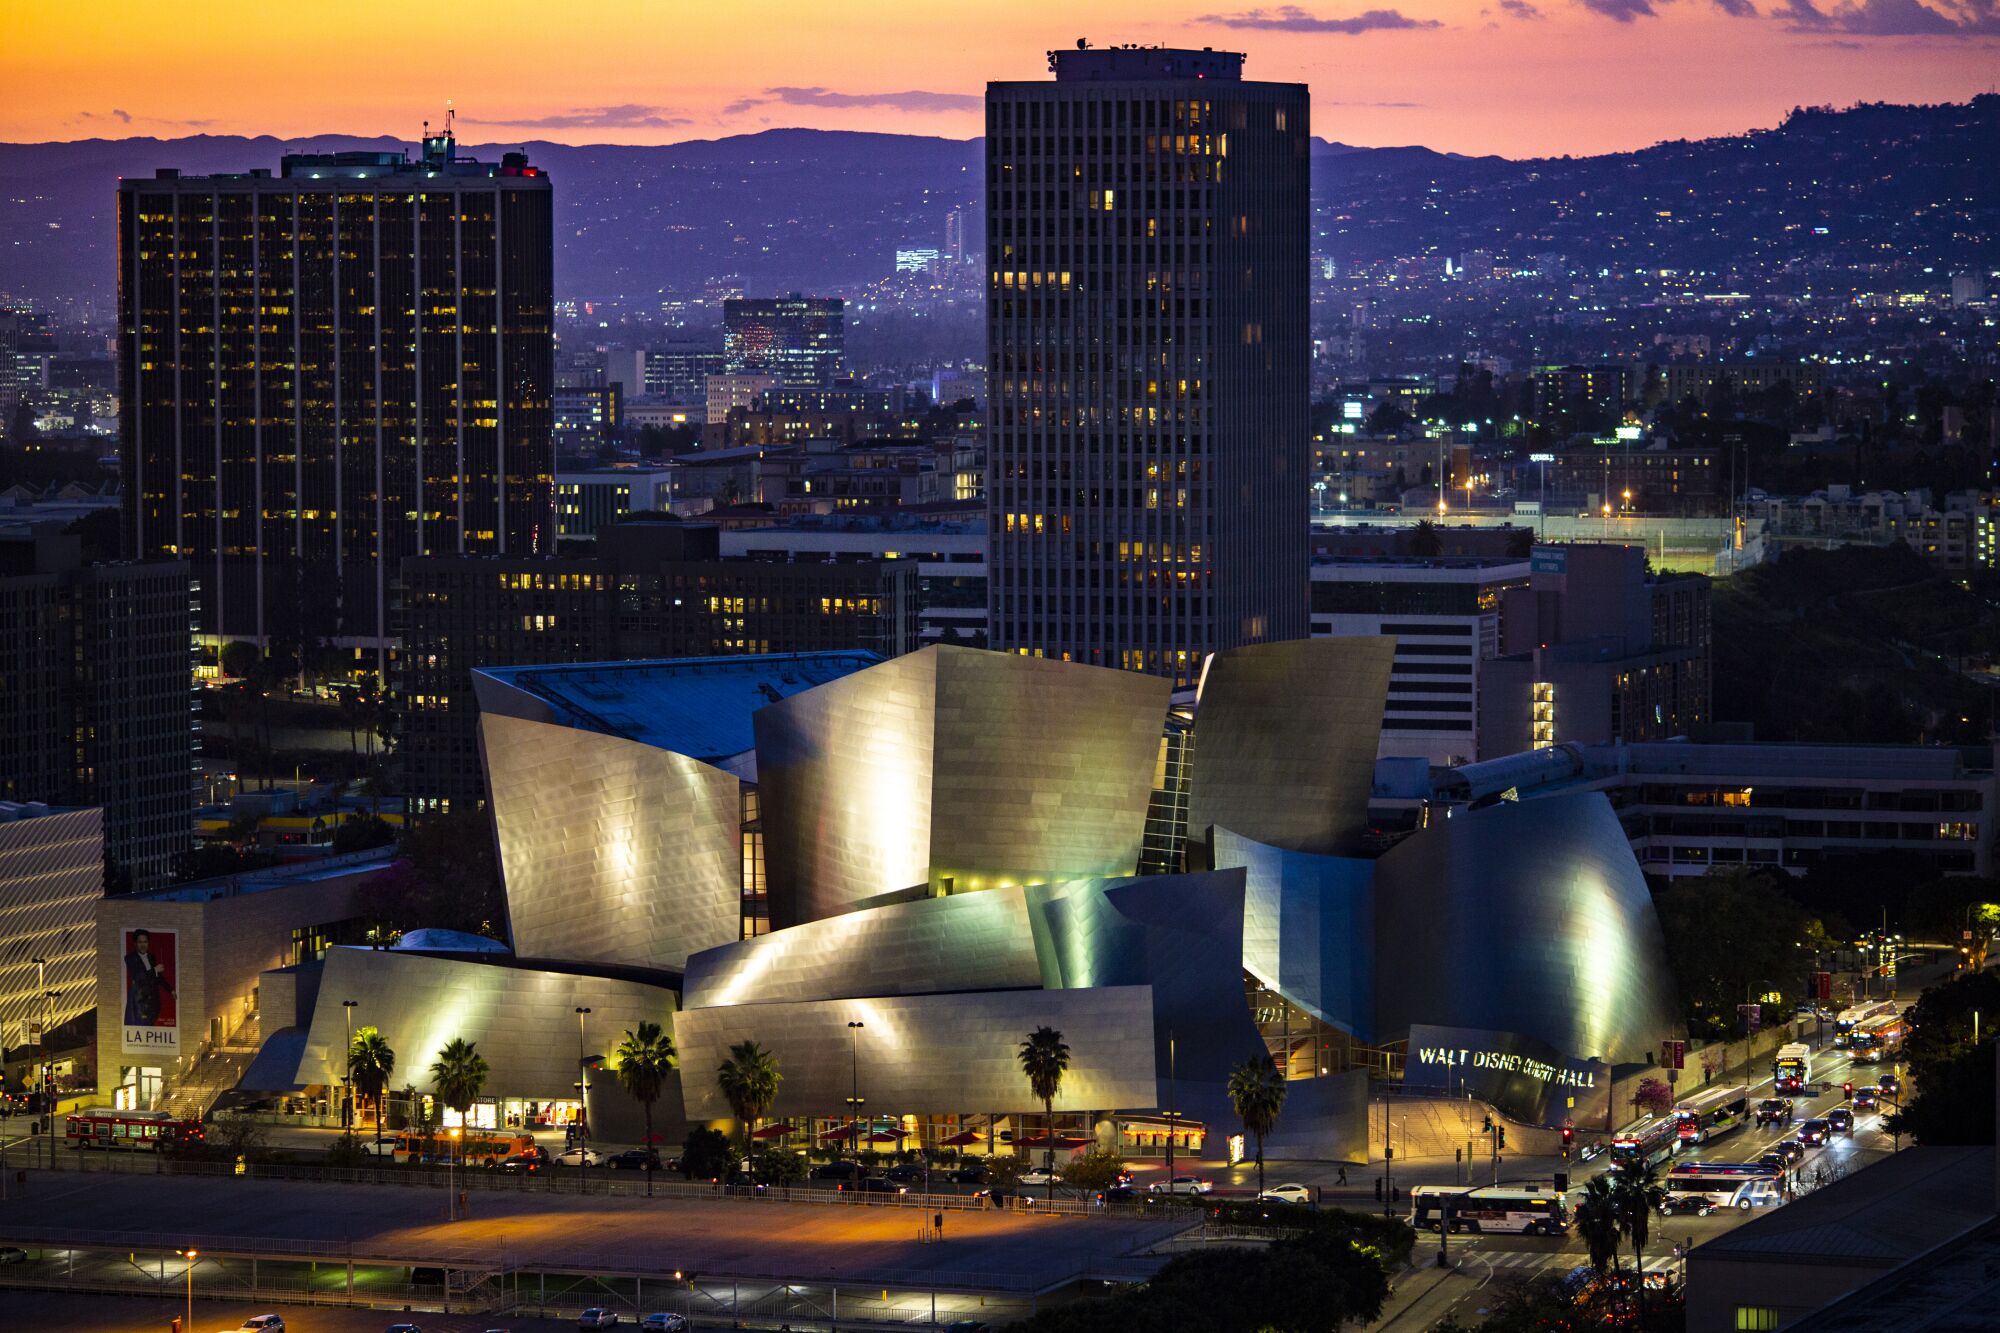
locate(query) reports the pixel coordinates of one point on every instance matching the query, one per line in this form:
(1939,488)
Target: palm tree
(749,1080)
(372,1062)
(1045,1059)
(1637,1189)
(1257,1091)
(458,1074)
(644,1058)
(1425,539)
(1599,1223)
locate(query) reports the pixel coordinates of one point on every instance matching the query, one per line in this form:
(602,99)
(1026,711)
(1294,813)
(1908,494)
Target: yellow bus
(473,1147)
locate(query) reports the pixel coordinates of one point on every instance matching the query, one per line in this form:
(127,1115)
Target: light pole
(49,998)
(347,1088)
(582,1105)
(190,1256)
(854,1027)
(1170,1112)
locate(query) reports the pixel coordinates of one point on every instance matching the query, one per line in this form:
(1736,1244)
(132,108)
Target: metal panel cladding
(522,1018)
(1285,740)
(612,851)
(1309,928)
(957,768)
(1528,917)
(927,1054)
(973,942)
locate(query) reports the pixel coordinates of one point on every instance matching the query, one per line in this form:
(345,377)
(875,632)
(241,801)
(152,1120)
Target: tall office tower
(96,694)
(799,339)
(1148,361)
(328,370)
(954,236)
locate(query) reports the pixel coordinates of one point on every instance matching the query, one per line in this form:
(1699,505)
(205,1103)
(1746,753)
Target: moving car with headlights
(1293,1194)
(1182,1185)
(1774,1111)
(1813,1133)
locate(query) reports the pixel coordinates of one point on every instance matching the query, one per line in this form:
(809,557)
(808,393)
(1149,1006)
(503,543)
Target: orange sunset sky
(1519,77)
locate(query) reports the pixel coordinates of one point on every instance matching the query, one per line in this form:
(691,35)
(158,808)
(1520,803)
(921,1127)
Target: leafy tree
(1653,1097)
(644,1058)
(373,1062)
(749,1080)
(705,1153)
(448,878)
(779,1166)
(1730,936)
(1097,1169)
(1257,1092)
(1044,1058)
(1951,1099)
(358,835)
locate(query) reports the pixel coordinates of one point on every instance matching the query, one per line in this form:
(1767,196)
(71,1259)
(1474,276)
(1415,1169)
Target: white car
(582,1157)
(597,1317)
(663,1323)
(1039,1176)
(1182,1185)
(263,1323)
(1298,1194)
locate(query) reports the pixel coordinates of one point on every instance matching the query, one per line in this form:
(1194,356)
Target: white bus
(1791,1069)
(1522,1209)
(1711,1185)
(1849,1019)
(1654,1139)
(1710,1115)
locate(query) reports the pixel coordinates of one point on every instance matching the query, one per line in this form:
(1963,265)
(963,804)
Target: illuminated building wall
(1148,445)
(1309,928)
(1528,917)
(612,851)
(1285,741)
(956,769)
(327,370)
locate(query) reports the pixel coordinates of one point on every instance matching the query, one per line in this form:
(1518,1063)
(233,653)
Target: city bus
(1849,1019)
(1876,1040)
(1711,1114)
(475,1147)
(1522,1209)
(1654,1139)
(1741,1185)
(1792,1069)
(152,1130)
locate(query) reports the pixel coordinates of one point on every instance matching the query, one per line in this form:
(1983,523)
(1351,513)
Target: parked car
(876,1185)
(839,1171)
(1867,1097)
(1840,1120)
(908,1173)
(1295,1194)
(1774,1111)
(1041,1176)
(661,1321)
(971,1174)
(263,1323)
(1790,1150)
(1121,1194)
(580,1157)
(522,1163)
(635,1159)
(1182,1185)
(1813,1132)
(370,1148)
(597,1317)
(13,1254)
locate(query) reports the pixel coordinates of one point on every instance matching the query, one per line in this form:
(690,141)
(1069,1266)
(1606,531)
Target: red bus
(129,1129)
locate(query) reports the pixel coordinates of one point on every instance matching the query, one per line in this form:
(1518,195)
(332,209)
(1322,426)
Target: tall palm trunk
(1049,1160)
(646,1163)
(1260,1163)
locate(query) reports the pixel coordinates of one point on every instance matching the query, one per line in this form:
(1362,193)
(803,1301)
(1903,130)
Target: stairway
(215,1071)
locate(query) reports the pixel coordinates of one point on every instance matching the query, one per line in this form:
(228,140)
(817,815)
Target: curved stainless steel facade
(523,1018)
(1309,928)
(1285,740)
(612,851)
(955,768)
(1528,917)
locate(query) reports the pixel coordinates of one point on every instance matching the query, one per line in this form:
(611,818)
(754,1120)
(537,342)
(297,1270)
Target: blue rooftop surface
(696,706)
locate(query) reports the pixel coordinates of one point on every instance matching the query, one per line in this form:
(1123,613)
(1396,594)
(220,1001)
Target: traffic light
(1847,1089)
(1569,1133)
(1502,1131)
(1487,1128)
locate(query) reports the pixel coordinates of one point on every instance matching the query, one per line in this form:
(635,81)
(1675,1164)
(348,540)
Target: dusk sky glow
(1517,77)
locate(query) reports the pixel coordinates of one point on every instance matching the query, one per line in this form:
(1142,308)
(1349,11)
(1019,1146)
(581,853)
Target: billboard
(152,1005)
(1528,1080)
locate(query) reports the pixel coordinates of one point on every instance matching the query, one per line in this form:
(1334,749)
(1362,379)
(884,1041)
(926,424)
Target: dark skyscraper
(799,339)
(1147,359)
(328,370)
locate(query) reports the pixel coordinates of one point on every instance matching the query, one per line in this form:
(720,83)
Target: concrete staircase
(215,1071)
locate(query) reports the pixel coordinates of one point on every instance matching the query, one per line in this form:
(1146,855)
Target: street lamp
(347,1088)
(854,1027)
(582,1105)
(190,1256)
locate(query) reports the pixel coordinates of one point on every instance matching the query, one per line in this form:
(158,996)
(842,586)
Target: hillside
(1874,188)
(1851,644)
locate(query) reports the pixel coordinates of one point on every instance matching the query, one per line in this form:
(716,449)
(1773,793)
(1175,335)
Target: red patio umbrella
(772,1132)
(965,1138)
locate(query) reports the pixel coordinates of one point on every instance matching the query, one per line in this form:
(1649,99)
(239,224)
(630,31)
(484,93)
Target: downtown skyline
(1511,77)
